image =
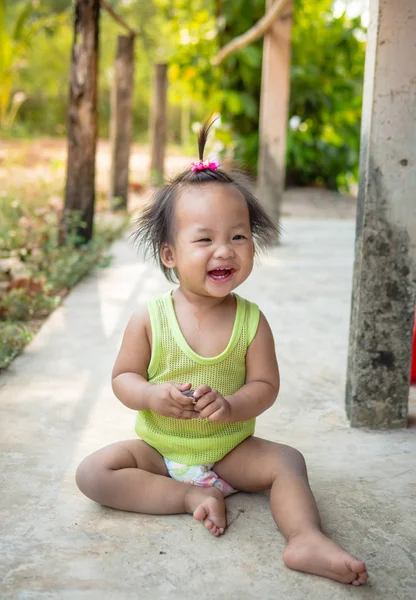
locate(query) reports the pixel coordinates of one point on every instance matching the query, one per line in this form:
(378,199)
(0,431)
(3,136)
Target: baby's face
(213,249)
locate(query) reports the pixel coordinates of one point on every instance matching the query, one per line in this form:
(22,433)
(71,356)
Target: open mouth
(221,275)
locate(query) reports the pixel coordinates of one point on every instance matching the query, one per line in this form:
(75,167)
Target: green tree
(16,36)
(189,35)
(326,92)
(326,77)
(162,28)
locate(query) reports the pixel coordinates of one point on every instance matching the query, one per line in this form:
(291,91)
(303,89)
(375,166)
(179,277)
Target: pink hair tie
(203,165)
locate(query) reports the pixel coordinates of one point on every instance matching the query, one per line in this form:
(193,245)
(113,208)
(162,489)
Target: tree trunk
(121,122)
(274,106)
(82,119)
(158,124)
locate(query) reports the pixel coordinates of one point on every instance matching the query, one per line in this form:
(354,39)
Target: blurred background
(328,48)
(327,66)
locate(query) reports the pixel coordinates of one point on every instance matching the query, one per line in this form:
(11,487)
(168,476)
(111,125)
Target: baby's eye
(239,237)
(204,240)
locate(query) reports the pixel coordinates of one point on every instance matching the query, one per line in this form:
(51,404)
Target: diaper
(201,475)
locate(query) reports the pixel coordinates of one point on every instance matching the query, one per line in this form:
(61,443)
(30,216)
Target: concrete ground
(56,406)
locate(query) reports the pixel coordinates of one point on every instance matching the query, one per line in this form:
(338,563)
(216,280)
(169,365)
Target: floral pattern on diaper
(200,475)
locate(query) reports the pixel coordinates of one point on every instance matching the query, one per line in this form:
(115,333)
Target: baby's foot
(314,553)
(207,505)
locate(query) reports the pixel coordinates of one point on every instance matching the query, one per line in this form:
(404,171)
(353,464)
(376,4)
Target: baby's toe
(362,576)
(210,525)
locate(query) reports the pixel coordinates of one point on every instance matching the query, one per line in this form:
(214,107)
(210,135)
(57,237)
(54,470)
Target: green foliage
(36,271)
(167,31)
(193,34)
(174,31)
(240,79)
(16,37)
(45,82)
(44,78)
(326,92)
(23,304)
(326,78)
(141,17)
(13,338)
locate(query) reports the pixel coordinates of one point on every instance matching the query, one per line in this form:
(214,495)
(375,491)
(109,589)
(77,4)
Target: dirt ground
(29,167)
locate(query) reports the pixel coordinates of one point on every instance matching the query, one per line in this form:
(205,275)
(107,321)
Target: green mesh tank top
(196,441)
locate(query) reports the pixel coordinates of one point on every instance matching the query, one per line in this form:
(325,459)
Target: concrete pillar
(383,299)
(121,122)
(274,106)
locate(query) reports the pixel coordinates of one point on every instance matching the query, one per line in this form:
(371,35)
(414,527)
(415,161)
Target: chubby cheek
(251,263)
(193,262)
(199,256)
(247,259)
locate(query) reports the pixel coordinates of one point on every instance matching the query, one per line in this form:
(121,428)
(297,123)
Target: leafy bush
(22,304)
(13,338)
(36,271)
(18,28)
(327,71)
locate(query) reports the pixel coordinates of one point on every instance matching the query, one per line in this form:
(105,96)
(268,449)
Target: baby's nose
(224,251)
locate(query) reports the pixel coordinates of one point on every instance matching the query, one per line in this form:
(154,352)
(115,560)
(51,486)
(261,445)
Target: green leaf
(251,55)
(234,102)
(21,20)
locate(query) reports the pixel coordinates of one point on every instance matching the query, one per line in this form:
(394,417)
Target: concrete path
(56,406)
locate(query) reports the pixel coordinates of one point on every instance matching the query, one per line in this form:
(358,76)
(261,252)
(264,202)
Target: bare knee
(95,474)
(294,458)
(83,476)
(90,477)
(288,460)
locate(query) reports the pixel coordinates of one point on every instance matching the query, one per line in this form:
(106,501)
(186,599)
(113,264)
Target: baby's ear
(167,256)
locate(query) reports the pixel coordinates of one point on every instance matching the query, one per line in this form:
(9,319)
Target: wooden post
(274,103)
(158,124)
(383,298)
(121,122)
(82,117)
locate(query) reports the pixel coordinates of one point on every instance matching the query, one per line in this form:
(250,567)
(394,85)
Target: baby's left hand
(211,405)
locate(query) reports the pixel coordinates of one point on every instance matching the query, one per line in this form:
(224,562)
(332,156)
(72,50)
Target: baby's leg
(132,476)
(257,465)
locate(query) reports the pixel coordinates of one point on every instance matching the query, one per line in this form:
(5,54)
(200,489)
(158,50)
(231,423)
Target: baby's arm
(129,375)
(257,394)
(262,377)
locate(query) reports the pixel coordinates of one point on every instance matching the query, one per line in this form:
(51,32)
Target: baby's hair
(155,226)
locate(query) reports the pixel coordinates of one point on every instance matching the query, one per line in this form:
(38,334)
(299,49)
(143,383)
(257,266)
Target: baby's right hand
(168,400)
